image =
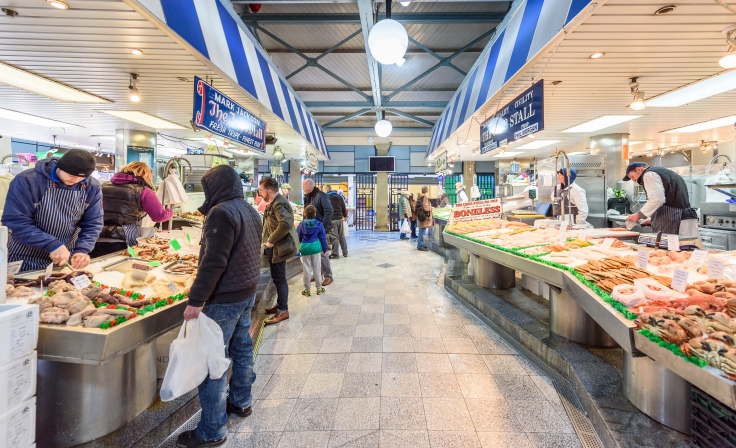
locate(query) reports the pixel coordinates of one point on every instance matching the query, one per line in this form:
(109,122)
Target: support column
(381,196)
(140,144)
(611,146)
(468,175)
(295,180)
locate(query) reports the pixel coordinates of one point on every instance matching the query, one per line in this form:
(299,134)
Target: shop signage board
(440,162)
(220,115)
(311,161)
(521,117)
(476,210)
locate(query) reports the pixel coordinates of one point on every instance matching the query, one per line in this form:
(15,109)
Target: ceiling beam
(368,89)
(485,18)
(410,116)
(370,129)
(438,104)
(347,117)
(361,51)
(365,8)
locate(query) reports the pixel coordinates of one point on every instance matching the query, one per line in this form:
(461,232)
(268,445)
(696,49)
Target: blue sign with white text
(521,117)
(220,115)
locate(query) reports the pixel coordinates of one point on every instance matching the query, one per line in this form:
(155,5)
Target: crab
(715,352)
(667,329)
(692,329)
(697,314)
(731,307)
(721,322)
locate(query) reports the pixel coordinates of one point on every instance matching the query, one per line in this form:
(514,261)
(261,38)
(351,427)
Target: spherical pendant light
(383,128)
(728,61)
(388,41)
(638,104)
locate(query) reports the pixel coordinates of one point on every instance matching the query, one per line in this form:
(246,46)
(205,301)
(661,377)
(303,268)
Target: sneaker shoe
(320,291)
(306,292)
(240,412)
(278,317)
(334,257)
(327,281)
(344,255)
(190,439)
(423,249)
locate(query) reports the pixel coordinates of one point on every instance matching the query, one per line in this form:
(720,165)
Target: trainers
(423,249)
(306,292)
(344,255)
(320,291)
(240,412)
(334,257)
(189,439)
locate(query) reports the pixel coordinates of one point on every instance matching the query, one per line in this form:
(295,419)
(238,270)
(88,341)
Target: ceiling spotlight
(388,40)
(134,95)
(135,51)
(58,4)
(405,3)
(729,61)
(665,10)
(597,55)
(638,103)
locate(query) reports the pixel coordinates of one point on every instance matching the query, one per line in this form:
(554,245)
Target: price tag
(715,268)
(643,259)
(154,263)
(132,252)
(581,235)
(563,238)
(607,242)
(679,280)
(673,242)
(563,227)
(14,267)
(189,239)
(175,244)
(49,271)
(173,287)
(699,256)
(81,281)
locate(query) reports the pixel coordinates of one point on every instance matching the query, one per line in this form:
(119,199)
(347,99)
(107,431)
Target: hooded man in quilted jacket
(225,291)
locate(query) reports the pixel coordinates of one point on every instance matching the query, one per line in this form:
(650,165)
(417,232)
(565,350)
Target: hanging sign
(521,117)
(222,116)
(475,210)
(440,162)
(311,162)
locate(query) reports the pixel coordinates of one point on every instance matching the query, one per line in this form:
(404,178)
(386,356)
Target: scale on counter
(650,239)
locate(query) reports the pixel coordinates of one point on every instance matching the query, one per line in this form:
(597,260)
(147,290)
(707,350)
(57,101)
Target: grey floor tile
(361,384)
(259,384)
(275,346)
(304,439)
(330,363)
(402,413)
(439,385)
(404,439)
(268,415)
(453,331)
(336,345)
(399,344)
(493,416)
(313,414)
(390,318)
(478,386)
(429,345)
(447,414)
(503,440)
(371,309)
(314,331)
(433,363)
(467,363)
(552,440)
(540,416)
(504,365)
(369,331)
(364,362)
(302,346)
(325,309)
(367,345)
(518,387)
(341,318)
(400,385)
(453,439)
(253,439)
(548,389)
(374,300)
(402,330)
(399,362)
(491,347)
(341,331)
(357,414)
(370,318)
(355,439)
(284,386)
(322,385)
(459,345)
(293,364)
(400,309)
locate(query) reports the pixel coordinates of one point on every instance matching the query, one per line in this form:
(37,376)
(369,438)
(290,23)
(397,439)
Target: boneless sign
(471,211)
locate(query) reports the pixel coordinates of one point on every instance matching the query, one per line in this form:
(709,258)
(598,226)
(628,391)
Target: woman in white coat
(572,195)
(462,196)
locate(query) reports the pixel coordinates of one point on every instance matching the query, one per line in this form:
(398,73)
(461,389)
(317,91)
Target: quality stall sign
(220,115)
(521,117)
(473,211)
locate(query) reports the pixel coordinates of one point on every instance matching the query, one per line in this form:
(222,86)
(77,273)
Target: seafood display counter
(675,332)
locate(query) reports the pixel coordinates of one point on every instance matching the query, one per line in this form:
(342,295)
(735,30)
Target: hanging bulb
(400,62)
(134,95)
(638,104)
(388,41)
(383,128)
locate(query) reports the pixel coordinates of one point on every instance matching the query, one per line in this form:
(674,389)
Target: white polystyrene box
(18,331)
(18,425)
(17,381)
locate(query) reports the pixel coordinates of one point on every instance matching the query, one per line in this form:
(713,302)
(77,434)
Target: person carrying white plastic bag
(196,352)
(225,291)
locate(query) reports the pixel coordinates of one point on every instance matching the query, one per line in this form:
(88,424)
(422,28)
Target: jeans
(278,275)
(414,228)
(326,269)
(312,268)
(234,320)
(337,238)
(420,237)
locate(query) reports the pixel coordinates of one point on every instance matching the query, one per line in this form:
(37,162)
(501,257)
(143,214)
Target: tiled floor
(387,358)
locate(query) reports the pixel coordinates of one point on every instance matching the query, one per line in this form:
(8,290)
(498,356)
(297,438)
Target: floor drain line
(189,425)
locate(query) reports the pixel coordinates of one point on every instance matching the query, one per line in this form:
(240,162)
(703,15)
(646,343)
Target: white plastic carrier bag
(405,227)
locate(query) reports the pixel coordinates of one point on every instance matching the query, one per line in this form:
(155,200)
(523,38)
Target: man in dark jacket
(320,201)
(225,291)
(339,218)
(54,212)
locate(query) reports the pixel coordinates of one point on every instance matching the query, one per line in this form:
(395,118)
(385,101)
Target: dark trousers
(278,275)
(414,229)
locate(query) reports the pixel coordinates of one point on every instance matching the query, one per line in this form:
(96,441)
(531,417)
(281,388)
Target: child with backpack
(313,242)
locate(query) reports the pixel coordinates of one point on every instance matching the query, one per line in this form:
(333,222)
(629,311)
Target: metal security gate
(318,179)
(486,185)
(450,182)
(396,184)
(365,213)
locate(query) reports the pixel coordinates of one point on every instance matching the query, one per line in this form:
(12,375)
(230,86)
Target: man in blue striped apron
(668,201)
(54,212)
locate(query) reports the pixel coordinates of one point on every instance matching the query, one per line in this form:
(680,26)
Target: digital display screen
(382,164)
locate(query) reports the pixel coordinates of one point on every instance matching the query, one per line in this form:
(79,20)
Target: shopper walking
(443,200)
(413,208)
(312,243)
(54,212)
(424,217)
(280,241)
(320,201)
(225,291)
(404,212)
(339,221)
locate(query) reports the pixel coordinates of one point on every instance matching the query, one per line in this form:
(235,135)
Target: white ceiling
(86,47)
(665,52)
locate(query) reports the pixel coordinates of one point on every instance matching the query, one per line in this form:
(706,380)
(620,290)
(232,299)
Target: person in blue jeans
(425,220)
(225,290)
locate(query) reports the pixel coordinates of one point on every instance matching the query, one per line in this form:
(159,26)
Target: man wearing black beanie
(54,212)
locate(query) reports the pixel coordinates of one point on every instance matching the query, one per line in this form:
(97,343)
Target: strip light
(704,126)
(143,118)
(34,119)
(603,122)
(503,155)
(696,91)
(536,144)
(37,84)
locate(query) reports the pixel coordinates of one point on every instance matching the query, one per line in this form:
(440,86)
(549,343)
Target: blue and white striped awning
(213,28)
(528,28)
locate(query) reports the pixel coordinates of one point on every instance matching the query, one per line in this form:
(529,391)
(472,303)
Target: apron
(57,214)
(667,220)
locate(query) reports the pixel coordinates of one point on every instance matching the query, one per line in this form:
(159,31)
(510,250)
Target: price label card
(563,227)
(81,281)
(563,238)
(175,244)
(49,271)
(173,287)
(189,239)
(14,267)
(132,252)
(673,242)
(715,268)
(581,235)
(699,256)
(140,271)
(607,242)
(679,280)
(643,259)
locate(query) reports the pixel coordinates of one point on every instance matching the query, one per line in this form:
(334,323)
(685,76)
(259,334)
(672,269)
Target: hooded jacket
(26,191)
(229,256)
(312,237)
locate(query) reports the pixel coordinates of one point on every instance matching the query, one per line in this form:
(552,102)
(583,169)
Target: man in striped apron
(54,212)
(668,201)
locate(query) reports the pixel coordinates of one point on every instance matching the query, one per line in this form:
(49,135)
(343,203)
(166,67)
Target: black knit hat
(77,162)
